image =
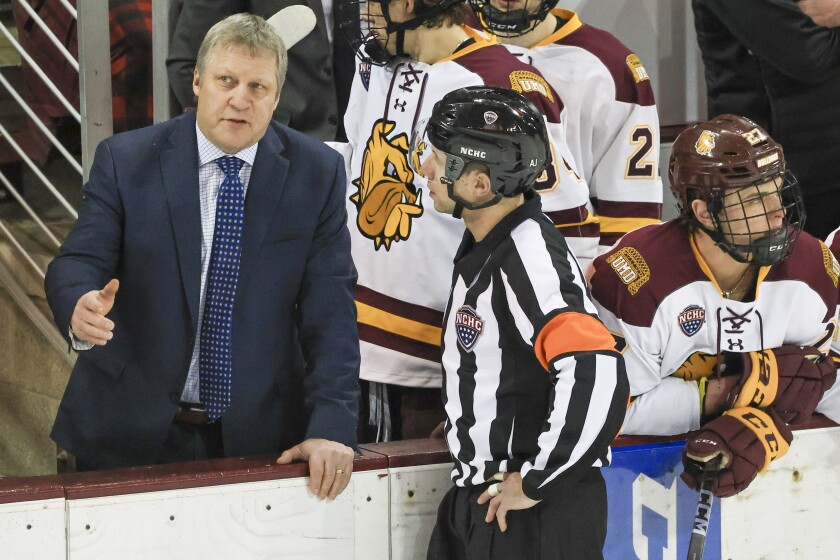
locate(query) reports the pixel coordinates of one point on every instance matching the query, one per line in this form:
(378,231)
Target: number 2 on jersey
(638,164)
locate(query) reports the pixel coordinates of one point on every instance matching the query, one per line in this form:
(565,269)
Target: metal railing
(94,116)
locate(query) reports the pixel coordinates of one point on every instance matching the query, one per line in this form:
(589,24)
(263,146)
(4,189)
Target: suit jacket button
(190,341)
(333,119)
(327,71)
(176,398)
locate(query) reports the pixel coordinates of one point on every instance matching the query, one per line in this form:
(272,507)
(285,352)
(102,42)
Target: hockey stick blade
(704,510)
(293,23)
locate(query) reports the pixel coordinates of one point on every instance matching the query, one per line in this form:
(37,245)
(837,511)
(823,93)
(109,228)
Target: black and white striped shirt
(532,382)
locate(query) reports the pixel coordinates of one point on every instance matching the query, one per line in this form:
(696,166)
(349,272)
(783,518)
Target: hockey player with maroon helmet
(725,315)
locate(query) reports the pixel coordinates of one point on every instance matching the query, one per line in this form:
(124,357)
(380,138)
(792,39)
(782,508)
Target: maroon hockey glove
(746,439)
(789,379)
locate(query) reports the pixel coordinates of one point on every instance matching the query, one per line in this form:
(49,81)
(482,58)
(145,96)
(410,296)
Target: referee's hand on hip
(503,497)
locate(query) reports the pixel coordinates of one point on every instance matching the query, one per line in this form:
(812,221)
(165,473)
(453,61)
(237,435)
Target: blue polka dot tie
(214,362)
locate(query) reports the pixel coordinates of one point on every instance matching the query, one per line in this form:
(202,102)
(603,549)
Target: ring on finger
(493,490)
(339,471)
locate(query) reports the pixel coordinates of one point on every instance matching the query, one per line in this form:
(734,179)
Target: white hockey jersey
(611,122)
(403,249)
(656,292)
(830,403)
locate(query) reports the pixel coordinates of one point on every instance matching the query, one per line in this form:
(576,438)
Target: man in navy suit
(129,283)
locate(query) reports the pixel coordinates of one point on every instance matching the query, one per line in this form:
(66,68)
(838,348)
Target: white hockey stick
(293,23)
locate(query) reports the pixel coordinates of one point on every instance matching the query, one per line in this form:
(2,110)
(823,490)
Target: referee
(534,389)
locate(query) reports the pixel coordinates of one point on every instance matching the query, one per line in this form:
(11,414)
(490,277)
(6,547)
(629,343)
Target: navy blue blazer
(295,343)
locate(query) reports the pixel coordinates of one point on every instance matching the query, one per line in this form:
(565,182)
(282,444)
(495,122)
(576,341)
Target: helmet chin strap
(376,52)
(766,251)
(772,248)
(507,23)
(401,43)
(461,204)
(725,246)
(459,209)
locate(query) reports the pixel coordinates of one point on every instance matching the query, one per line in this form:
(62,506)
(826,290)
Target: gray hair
(246,31)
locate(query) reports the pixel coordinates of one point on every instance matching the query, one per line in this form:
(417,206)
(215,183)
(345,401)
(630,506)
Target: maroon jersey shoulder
(632,84)
(647,265)
(498,67)
(813,264)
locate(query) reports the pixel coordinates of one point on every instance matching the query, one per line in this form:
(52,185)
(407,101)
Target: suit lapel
(179,168)
(265,188)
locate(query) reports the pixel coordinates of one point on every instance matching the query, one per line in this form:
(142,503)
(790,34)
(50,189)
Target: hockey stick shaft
(703,514)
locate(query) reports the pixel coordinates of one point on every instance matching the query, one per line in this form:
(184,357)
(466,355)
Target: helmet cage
(736,216)
(510,23)
(366,40)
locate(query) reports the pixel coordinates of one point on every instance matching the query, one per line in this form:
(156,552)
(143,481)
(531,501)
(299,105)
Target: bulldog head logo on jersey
(468,327)
(691,319)
(386,199)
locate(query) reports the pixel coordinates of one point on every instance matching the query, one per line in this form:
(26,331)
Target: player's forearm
(672,407)
(587,407)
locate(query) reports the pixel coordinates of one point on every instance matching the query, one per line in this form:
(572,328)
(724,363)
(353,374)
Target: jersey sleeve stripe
(623,225)
(571,332)
(398,307)
(627,209)
(572,217)
(401,326)
(397,343)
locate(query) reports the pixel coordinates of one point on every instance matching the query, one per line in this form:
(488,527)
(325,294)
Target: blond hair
(246,31)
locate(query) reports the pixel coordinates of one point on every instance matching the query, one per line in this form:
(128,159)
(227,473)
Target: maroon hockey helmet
(731,155)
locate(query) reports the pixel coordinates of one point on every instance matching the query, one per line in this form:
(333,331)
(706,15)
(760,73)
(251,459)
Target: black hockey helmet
(723,162)
(497,128)
(511,22)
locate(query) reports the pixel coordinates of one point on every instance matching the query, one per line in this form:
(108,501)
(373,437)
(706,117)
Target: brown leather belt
(189,413)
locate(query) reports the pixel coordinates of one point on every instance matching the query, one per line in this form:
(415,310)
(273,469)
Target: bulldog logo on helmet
(705,143)
(386,199)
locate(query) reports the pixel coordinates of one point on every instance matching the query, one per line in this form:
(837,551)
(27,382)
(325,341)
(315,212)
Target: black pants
(185,442)
(573,527)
